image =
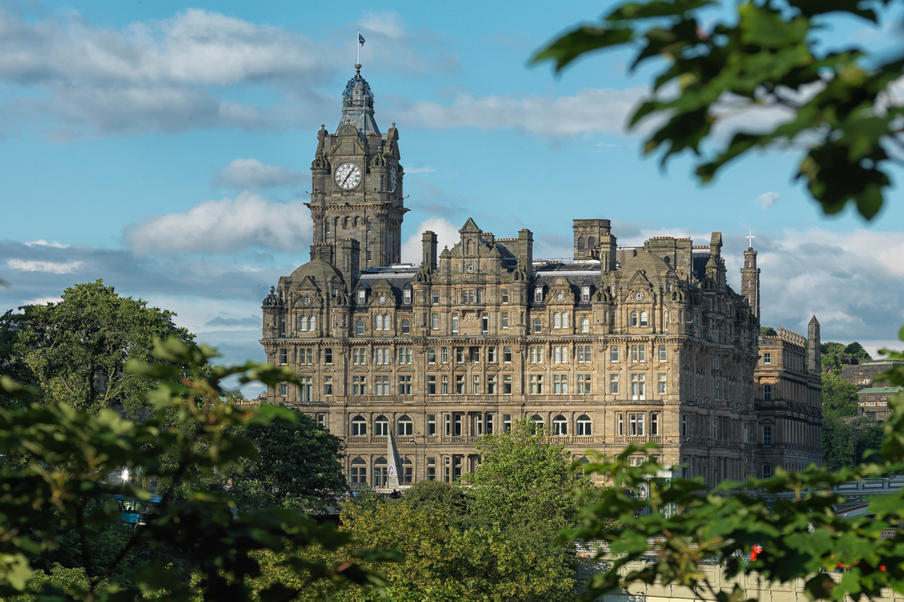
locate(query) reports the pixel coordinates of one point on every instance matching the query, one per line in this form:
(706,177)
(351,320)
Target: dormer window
(585,293)
(406,295)
(362,296)
(538,294)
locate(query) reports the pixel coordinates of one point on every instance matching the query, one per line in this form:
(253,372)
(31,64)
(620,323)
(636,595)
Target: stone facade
(619,345)
(865,375)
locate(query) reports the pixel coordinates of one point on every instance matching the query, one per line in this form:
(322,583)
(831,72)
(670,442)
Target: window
(484,323)
(476,381)
(585,324)
(560,354)
(504,321)
(474,354)
(559,425)
(459,384)
(445,355)
(434,321)
(638,386)
(489,422)
(312,323)
(327,385)
(456,425)
(643,318)
(767,470)
(536,384)
(654,423)
(633,318)
(282,326)
(767,392)
(584,356)
(305,356)
(359,356)
(404,426)
(560,384)
(406,296)
(583,384)
(406,326)
(328,355)
(431,469)
(459,355)
(405,384)
(767,357)
(382,355)
(381,426)
(585,293)
(283,357)
(565,319)
(505,295)
(303,323)
(613,384)
(358,474)
(431,384)
(684,427)
(538,325)
(619,424)
(536,354)
(506,384)
(662,353)
(283,389)
(404,355)
(661,383)
(407,472)
(435,297)
(767,435)
(431,425)
(491,384)
(613,353)
(538,294)
(359,385)
(583,426)
(454,323)
(445,384)
(359,426)
(359,326)
(506,423)
(378,322)
(556,320)
(491,355)
(304,388)
(638,353)
(507,354)
(431,355)
(381,472)
(536,421)
(635,424)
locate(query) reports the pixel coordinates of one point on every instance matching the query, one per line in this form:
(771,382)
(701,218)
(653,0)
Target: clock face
(638,296)
(560,297)
(307,299)
(348,175)
(469,268)
(382,299)
(393,178)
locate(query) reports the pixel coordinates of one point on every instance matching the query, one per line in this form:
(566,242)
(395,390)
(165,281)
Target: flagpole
(358,48)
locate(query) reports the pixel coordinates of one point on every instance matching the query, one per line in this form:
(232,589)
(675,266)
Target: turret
(429,244)
(347,260)
(814,361)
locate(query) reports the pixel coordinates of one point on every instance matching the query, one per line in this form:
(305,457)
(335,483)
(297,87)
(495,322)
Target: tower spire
(750,277)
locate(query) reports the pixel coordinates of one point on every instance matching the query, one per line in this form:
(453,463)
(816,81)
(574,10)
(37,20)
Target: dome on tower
(358,105)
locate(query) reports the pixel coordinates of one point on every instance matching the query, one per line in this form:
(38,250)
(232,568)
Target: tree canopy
(836,355)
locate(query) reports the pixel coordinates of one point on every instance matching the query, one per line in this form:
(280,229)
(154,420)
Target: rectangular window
(445,384)
(620,424)
(445,355)
(459,384)
(767,357)
(662,353)
(489,422)
(584,356)
(504,319)
(635,425)
(538,325)
(431,355)
(404,355)
(474,354)
(507,354)
(406,296)
(613,384)
(359,385)
(491,355)
(536,384)
(431,384)
(359,356)
(536,354)
(283,357)
(538,295)
(560,354)
(746,432)
(435,297)
(654,424)
(491,384)
(560,384)
(506,423)
(583,384)
(457,420)
(476,385)
(638,353)
(382,356)
(434,321)
(505,295)
(283,389)
(327,385)
(459,355)
(304,389)
(431,425)
(381,385)
(684,428)
(638,386)
(405,385)
(454,323)
(506,384)
(328,355)
(661,383)
(767,435)
(431,469)
(613,353)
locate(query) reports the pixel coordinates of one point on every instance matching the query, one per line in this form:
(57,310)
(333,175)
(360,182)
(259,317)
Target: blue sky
(165,148)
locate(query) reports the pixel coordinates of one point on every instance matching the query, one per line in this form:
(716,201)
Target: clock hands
(350,172)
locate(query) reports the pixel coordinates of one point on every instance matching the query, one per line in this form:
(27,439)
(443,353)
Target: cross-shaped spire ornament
(750,238)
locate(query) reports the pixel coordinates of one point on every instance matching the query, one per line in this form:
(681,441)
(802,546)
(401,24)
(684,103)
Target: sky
(165,148)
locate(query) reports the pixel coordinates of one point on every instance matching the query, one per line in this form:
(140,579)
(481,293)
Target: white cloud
(384,23)
(224,226)
(446,234)
(44,243)
(419,169)
(42,301)
(163,74)
(52,267)
(766,200)
(251,174)
(592,111)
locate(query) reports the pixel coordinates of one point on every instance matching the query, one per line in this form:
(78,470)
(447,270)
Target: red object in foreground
(756,551)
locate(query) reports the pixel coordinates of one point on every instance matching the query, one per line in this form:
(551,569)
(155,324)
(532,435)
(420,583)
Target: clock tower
(356,184)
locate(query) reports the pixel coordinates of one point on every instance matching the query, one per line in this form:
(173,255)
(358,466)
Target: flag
(361,39)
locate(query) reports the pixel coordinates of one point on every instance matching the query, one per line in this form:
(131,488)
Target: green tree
(75,351)
(55,483)
(835,355)
(839,441)
(297,466)
(839,397)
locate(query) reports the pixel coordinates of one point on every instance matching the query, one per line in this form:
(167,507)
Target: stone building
(867,374)
(619,345)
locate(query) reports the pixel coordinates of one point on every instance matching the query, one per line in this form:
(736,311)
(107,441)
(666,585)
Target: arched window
(381,426)
(565,315)
(538,325)
(406,326)
(767,470)
(378,322)
(582,461)
(404,426)
(406,475)
(584,426)
(580,243)
(359,426)
(345,223)
(644,320)
(302,323)
(591,243)
(381,472)
(559,425)
(312,323)
(358,473)
(359,326)
(537,419)
(585,324)
(556,320)
(633,318)
(767,392)
(357,221)
(454,323)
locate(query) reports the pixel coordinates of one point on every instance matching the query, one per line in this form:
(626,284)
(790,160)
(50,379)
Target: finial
(358,68)
(750,238)
(393,124)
